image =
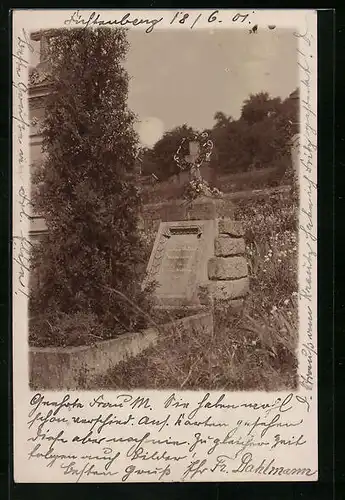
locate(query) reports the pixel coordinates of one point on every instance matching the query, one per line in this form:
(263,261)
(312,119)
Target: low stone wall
(228,269)
(260,178)
(172,189)
(204,209)
(73,367)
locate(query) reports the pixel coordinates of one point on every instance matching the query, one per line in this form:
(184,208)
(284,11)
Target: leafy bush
(61,330)
(195,189)
(271,235)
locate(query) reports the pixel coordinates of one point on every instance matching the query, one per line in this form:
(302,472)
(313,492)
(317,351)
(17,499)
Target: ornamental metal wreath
(197,186)
(206,147)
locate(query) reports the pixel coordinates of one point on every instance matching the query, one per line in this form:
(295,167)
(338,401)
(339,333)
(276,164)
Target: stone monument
(198,258)
(178,261)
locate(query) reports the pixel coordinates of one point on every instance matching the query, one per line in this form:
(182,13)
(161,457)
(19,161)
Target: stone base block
(229,290)
(231,227)
(225,246)
(225,208)
(203,209)
(199,209)
(230,268)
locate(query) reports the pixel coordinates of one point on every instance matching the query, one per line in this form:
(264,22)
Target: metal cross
(198,153)
(194,153)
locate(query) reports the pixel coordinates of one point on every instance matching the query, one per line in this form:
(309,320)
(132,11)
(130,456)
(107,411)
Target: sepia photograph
(165,246)
(164,209)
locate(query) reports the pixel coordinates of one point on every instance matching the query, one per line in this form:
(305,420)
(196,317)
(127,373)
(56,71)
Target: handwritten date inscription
(127,437)
(179,18)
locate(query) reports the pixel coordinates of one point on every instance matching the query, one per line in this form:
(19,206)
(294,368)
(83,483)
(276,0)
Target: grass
(255,350)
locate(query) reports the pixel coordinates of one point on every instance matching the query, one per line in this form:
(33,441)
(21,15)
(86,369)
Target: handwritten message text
(133,438)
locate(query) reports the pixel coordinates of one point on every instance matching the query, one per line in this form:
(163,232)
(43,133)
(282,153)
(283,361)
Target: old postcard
(165,245)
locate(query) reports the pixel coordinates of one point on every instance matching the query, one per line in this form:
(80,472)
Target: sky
(187,76)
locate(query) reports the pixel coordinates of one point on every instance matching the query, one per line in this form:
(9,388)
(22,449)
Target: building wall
(37,97)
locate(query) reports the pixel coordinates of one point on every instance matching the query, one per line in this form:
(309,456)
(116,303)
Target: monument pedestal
(198,258)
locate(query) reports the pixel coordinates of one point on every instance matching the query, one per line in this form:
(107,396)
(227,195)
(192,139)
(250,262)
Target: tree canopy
(258,139)
(160,159)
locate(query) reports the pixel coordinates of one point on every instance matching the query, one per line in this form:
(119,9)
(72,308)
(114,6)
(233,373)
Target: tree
(259,138)
(260,106)
(290,114)
(162,154)
(86,186)
(229,137)
(148,164)
(221,120)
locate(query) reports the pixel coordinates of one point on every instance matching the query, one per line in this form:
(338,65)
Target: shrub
(271,236)
(61,330)
(86,188)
